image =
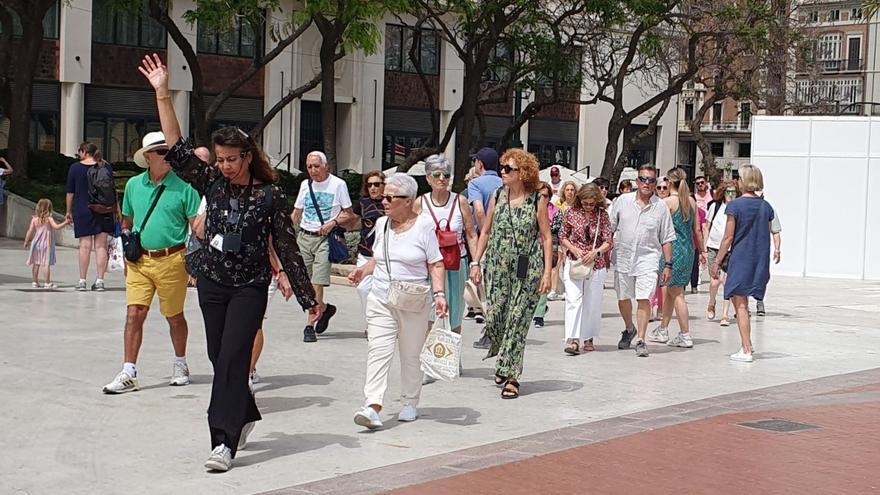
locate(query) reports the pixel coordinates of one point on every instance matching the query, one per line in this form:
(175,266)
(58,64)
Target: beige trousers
(387,328)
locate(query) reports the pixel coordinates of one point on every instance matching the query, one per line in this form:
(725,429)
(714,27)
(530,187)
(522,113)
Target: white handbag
(578,270)
(441,354)
(403,296)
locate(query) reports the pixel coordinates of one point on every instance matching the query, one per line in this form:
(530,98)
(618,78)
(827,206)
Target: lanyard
(237,212)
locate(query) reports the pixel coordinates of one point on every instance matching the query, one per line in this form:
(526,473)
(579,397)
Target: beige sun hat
(152,141)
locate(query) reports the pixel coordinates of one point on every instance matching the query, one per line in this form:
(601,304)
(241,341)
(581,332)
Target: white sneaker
(220,458)
(243,437)
(742,357)
(658,334)
(681,340)
(368,418)
(179,374)
(121,384)
(409,413)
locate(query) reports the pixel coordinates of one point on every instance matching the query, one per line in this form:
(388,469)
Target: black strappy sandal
(500,380)
(511,390)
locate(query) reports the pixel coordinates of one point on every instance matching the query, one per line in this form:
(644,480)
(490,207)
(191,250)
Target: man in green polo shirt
(161,270)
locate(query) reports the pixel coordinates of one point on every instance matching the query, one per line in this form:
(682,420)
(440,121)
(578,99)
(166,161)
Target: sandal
(572,349)
(500,380)
(511,390)
(710,312)
(588,346)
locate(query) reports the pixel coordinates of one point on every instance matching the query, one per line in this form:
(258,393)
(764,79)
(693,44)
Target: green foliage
(359,18)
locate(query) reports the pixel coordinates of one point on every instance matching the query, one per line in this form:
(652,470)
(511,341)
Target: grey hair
(436,163)
(405,185)
(321,156)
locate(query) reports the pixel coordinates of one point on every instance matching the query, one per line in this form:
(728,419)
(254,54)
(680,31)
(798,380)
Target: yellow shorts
(165,276)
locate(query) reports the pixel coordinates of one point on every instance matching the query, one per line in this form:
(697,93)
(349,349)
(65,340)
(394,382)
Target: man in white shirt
(316,222)
(644,231)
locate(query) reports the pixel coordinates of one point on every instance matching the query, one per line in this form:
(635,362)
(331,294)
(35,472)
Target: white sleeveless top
(442,213)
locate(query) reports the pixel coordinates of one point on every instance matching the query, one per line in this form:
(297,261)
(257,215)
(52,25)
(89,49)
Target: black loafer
(484,343)
(322,324)
(309,334)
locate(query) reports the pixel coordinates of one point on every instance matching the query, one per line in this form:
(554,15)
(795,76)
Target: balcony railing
(718,126)
(842,65)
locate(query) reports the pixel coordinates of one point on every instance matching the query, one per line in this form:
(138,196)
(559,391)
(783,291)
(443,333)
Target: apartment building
(88,88)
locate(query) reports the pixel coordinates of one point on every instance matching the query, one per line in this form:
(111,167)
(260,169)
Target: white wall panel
(786,189)
(835,221)
(872,211)
(780,137)
(839,137)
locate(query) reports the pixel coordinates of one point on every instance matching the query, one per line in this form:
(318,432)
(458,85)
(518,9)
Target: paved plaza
(597,418)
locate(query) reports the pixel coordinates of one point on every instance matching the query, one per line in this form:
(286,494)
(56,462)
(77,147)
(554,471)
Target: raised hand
(155,72)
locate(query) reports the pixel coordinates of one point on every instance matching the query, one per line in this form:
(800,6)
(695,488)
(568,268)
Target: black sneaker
(479,318)
(470,315)
(626,338)
(309,334)
(321,326)
(761,311)
(484,343)
(539,322)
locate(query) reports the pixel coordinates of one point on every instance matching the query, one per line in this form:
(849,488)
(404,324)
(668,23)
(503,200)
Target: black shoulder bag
(131,240)
(336,239)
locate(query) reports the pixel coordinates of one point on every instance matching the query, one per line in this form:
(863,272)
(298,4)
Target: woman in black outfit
(369,209)
(244,207)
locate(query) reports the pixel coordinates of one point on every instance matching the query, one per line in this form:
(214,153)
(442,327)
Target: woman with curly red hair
(518,250)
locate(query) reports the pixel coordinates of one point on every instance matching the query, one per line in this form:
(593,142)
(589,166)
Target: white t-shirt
(410,254)
(332,196)
(716,230)
(442,213)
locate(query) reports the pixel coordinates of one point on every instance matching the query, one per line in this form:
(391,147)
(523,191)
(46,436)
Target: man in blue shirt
(479,193)
(481,189)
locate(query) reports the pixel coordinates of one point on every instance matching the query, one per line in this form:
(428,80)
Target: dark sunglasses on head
(438,175)
(647,180)
(391,197)
(508,169)
(375,184)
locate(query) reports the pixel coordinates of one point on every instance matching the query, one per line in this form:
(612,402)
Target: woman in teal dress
(516,242)
(684,218)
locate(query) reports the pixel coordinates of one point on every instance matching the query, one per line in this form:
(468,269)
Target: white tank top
(442,213)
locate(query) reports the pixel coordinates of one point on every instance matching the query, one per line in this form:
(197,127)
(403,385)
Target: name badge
(217,242)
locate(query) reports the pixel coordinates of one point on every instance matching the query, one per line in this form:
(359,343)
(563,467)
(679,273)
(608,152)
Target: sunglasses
(508,169)
(730,191)
(662,188)
(375,184)
(390,197)
(701,182)
(438,175)
(647,180)
(160,152)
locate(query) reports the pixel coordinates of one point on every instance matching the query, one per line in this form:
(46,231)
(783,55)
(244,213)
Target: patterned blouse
(369,210)
(250,265)
(579,228)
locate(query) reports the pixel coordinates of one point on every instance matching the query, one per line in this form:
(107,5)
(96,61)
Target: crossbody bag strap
(315,203)
(152,207)
(452,197)
(385,245)
(427,204)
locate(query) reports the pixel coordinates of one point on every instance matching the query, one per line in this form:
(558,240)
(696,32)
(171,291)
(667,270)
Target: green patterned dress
(682,250)
(512,300)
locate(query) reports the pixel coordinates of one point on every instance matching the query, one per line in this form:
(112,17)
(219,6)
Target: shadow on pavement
(269,405)
(275,382)
(331,335)
(460,416)
(541,386)
(278,444)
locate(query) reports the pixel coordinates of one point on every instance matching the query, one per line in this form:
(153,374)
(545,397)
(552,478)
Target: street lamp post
(516,142)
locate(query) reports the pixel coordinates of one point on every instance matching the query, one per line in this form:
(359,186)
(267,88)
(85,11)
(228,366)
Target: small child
(41,238)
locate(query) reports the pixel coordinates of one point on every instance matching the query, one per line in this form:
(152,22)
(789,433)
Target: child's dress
(43,246)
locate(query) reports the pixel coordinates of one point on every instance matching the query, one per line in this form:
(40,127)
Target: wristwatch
(668,264)
(474,263)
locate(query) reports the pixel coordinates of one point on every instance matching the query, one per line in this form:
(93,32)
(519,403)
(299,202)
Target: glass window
(102,24)
(207,42)
(248,41)
(50,23)
(238,42)
(745,150)
(152,33)
(125,28)
(718,149)
(95,130)
(399,40)
(44,131)
(745,115)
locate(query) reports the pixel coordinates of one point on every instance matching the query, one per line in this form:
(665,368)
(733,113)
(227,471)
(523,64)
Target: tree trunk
(328,103)
(6,28)
(615,129)
(708,161)
(26,60)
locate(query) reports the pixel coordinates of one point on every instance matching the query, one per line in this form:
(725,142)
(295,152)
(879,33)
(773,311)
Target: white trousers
(366,284)
(583,304)
(387,327)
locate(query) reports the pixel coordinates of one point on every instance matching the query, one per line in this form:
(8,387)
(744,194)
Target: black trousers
(695,270)
(232,317)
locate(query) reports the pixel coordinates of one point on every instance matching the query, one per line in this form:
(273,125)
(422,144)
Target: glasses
(508,169)
(438,175)
(701,182)
(731,192)
(375,184)
(603,188)
(647,180)
(392,197)
(662,188)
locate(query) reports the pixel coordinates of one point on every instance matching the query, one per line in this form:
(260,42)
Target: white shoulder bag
(403,296)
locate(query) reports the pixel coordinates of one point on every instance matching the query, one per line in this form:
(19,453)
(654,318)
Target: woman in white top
(413,256)
(726,192)
(442,207)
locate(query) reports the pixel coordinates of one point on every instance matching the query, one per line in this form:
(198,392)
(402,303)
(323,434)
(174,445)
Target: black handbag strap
(315,203)
(152,207)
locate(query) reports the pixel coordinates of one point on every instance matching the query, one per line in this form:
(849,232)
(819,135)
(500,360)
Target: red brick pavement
(713,455)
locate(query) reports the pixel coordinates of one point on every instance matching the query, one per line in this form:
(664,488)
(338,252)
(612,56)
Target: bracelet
(439,293)
(668,264)
(474,264)
(166,97)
